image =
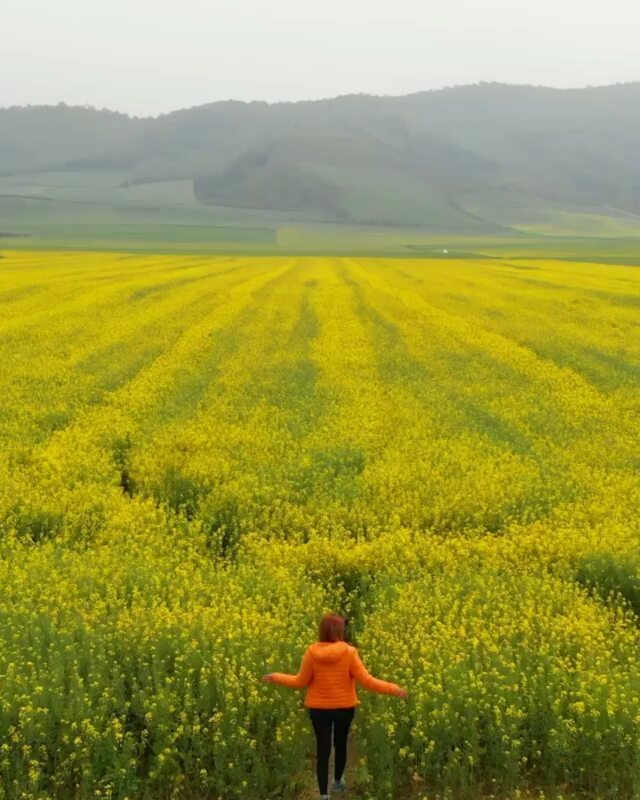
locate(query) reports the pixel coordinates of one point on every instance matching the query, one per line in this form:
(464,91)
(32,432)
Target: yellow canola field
(199,455)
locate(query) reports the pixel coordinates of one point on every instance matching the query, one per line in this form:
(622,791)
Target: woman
(329,669)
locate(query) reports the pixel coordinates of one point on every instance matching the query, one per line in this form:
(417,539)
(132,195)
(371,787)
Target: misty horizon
(301,100)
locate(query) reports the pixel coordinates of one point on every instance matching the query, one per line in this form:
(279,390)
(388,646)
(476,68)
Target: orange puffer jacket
(330,670)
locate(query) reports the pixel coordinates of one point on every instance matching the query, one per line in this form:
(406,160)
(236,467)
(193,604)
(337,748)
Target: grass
(97,210)
(549,218)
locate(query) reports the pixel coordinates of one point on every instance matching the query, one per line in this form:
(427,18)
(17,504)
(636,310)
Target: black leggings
(323,720)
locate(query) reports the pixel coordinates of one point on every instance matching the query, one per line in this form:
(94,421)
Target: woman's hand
(403,693)
(268,678)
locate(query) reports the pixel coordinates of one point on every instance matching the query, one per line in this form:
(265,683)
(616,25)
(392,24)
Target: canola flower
(198,455)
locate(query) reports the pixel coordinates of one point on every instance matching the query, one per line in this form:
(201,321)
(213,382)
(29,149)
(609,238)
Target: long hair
(331,628)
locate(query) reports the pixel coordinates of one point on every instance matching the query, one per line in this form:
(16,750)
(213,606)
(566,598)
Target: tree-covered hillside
(436,159)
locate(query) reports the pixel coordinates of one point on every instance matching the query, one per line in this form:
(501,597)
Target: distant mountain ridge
(432,159)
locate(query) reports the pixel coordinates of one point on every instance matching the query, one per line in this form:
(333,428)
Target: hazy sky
(150,56)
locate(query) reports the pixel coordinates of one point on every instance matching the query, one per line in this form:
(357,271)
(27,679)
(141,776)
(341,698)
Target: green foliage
(612,576)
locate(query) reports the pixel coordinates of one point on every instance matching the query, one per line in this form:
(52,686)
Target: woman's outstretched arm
(303,678)
(359,672)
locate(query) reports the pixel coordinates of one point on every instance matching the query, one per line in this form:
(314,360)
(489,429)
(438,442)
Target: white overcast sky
(152,56)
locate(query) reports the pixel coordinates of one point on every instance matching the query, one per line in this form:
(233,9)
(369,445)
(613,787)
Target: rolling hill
(483,158)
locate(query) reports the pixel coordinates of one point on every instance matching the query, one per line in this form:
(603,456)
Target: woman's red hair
(331,628)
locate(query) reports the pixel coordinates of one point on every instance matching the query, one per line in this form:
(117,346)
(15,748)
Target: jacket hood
(328,651)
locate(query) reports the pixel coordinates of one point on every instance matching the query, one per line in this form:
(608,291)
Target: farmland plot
(199,455)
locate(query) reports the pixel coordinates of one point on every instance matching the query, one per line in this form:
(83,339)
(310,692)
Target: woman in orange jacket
(329,670)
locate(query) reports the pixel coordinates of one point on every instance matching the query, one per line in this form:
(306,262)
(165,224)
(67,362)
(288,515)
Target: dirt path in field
(353,754)
(623,211)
